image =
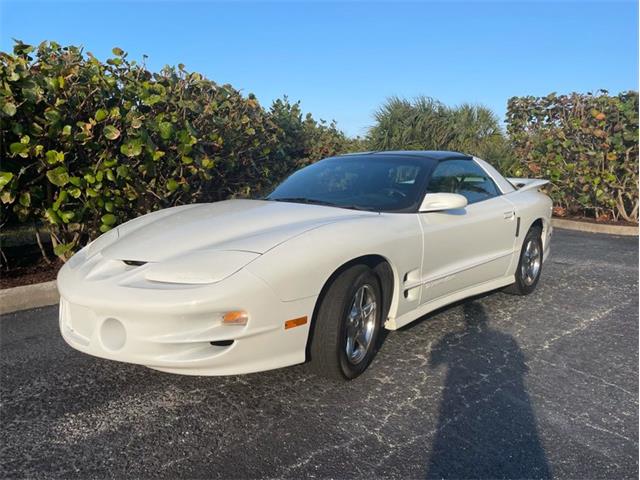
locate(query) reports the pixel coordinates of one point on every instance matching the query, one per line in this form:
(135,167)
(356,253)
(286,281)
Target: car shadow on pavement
(486,425)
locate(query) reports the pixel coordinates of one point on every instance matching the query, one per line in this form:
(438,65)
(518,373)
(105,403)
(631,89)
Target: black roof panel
(430,154)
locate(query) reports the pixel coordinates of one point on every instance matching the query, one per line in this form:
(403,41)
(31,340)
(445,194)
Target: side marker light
(296,322)
(235,318)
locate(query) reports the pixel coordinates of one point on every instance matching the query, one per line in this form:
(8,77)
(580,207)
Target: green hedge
(586,144)
(87,145)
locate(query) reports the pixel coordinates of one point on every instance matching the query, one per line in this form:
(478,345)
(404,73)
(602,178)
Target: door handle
(509,215)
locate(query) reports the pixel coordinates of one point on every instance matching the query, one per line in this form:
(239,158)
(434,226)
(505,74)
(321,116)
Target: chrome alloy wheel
(531,262)
(361,322)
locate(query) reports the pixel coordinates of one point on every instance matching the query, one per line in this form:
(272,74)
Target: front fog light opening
(236,317)
(113,334)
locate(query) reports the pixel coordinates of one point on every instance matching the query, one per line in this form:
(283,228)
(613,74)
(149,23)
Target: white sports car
(338,251)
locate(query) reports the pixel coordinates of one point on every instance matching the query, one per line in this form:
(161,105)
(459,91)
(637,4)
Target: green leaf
(51,216)
(9,109)
(25,199)
(109,219)
(108,206)
(132,148)
(118,52)
(101,114)
(75,181)
(21,48)
(5,178)
(172,185)
(62,197)
(62,248)
(122,171)
(66,216)
(54,157)
(111,132)
(104,228)
(58,176)
(151,100)
(19,148)
(75,192)
(52,115)
(66,130)
(166,129)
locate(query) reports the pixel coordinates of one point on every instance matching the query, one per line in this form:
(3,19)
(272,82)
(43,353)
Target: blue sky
(343,59)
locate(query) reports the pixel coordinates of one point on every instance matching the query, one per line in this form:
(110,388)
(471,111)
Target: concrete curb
(28,296)
(623,230)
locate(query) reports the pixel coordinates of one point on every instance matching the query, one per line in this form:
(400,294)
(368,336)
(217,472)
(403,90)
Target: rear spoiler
(522,184)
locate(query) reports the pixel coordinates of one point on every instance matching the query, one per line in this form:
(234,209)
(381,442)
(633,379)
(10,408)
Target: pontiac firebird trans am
(338,251)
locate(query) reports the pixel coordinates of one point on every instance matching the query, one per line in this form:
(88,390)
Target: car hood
(240,225)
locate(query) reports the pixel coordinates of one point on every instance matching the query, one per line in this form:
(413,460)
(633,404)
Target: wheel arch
(381,267)
(543,224)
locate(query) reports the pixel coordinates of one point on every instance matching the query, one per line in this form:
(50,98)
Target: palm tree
(421,124)
(427,124)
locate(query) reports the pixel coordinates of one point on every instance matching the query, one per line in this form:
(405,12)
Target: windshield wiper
(312,201)
(303,200)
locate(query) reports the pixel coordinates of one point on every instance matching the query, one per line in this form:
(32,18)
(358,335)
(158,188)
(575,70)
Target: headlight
(200,267)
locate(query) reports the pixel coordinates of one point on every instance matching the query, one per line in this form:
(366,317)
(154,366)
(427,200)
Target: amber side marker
(296,322)
(237,317)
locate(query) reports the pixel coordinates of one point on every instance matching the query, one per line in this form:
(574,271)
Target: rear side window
(464,177)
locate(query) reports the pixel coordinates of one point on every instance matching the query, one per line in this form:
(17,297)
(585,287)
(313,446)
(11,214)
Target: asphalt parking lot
(499,386)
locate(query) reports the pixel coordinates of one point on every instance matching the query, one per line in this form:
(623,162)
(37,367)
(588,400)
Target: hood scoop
(134,263)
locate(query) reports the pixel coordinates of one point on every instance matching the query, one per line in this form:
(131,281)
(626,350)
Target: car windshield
(383,183)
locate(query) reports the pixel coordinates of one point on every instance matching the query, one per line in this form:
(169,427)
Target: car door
(469,246)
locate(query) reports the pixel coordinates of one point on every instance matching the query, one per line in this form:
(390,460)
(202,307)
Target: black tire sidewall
(348,369)
(534,234)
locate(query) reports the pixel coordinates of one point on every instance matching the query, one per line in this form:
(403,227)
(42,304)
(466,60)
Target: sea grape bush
(586,144)
(86,145)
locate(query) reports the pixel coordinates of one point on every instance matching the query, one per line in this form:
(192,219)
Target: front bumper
(171,327)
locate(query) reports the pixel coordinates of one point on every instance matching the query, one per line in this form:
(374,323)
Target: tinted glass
(464,177)
(381,183)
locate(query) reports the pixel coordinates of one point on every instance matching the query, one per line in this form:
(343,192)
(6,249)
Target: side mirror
(438,202)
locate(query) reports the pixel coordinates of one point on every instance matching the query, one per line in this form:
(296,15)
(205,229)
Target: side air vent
(134,263)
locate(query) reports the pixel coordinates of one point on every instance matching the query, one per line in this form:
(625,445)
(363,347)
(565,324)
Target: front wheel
(347,324)
(530,264)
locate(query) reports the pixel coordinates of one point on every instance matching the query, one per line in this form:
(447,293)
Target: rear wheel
(347,324)
(529,265)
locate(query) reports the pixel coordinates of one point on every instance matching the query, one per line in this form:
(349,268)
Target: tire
(336,325)
(532,251)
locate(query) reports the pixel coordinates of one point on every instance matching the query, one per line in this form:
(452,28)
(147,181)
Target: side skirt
(401,321)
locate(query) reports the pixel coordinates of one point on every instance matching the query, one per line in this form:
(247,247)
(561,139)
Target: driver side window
(464,177)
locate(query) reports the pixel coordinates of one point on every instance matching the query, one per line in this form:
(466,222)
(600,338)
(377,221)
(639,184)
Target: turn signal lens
(296,322)
(235,318)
